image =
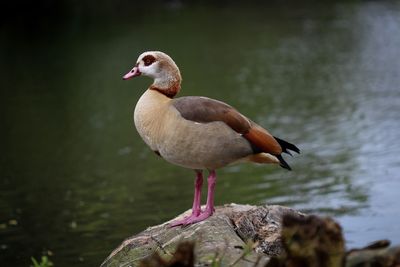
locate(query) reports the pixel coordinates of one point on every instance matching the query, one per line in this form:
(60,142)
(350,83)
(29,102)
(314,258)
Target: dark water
(76,179)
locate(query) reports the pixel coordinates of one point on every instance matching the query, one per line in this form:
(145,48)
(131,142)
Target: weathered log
(223,237)
(243,235)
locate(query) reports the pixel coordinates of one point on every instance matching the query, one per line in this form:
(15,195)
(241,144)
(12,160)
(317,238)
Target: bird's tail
(283,163)
(286,148)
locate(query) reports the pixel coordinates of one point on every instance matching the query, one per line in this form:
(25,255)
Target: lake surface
(76,179)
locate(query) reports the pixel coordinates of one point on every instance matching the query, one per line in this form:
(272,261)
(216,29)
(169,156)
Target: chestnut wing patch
(203,110)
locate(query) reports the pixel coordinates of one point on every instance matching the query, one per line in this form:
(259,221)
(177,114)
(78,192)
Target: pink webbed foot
(192,218)
(204,215)
(183,221)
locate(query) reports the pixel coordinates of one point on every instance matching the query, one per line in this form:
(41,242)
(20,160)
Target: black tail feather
(286,146)
(283,163)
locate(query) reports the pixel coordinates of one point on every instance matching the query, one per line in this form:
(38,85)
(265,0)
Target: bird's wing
(205,110)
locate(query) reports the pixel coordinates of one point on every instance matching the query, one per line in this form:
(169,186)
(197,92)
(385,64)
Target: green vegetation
(45,262)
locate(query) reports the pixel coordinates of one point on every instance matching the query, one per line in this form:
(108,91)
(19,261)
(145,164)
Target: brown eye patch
(148,60)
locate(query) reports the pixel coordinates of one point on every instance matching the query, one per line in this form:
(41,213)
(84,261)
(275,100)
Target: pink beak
(133,73)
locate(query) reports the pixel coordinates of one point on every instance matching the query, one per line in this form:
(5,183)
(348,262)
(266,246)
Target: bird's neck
(168,84)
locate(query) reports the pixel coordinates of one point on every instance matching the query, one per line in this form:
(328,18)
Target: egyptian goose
(197,132)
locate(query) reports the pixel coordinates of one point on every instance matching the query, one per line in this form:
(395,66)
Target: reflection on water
(77,179)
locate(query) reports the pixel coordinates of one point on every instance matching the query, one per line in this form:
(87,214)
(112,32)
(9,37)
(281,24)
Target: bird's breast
(149,116)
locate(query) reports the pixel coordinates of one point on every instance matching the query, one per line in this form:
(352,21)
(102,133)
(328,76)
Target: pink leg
(209,210)
(210,194)
(196,208)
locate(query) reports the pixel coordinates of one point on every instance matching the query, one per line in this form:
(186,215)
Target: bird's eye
(148,60)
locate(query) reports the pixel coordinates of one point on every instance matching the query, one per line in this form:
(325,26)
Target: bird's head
(154,64)
(160,67)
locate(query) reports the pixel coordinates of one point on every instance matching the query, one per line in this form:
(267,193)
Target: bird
(197,132)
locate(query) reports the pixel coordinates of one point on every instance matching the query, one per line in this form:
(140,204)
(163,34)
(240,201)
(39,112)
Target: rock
(241,234)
